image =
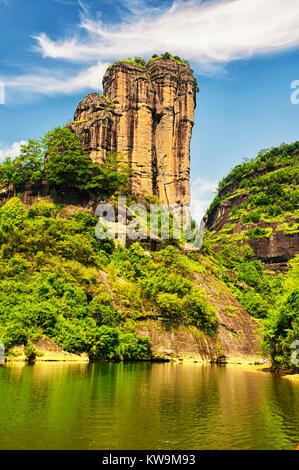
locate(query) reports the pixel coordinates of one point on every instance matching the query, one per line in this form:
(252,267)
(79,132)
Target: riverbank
(261,368)
(291,377)
(46,351)
(50,353)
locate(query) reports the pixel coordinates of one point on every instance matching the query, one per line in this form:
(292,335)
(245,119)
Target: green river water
(146,406)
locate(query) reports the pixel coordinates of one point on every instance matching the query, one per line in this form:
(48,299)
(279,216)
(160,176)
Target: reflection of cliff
(147,114)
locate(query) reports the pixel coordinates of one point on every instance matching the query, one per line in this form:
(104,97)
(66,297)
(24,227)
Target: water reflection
(145,406)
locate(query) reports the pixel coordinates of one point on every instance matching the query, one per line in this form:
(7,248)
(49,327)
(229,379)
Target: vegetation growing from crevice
(266,191)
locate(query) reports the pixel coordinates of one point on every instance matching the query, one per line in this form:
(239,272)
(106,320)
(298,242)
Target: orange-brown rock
(147,115)
(174,118)
(129,87)
(95,122)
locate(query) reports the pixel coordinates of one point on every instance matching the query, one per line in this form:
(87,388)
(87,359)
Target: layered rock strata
(146,114)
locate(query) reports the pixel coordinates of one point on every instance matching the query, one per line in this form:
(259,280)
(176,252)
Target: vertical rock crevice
(146,114)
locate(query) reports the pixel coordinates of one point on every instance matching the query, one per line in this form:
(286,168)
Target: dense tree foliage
(27,168)
(51,271)
(281,329)
(50,284)
(59,159)
(268,186)
(267,159)
(162,280)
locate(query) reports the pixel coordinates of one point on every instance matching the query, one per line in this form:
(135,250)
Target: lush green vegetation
(268,186)
(53,267)
(59,159)
(53,284)
(267,159)
(160,282)
(271,182)
(58,281)
(271,298)
(282,327)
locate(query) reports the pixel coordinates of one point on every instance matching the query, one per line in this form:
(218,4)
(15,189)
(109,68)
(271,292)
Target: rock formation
(274,238)
(274,251)
(146,114)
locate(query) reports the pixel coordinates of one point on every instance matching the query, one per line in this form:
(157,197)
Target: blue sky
(243,52)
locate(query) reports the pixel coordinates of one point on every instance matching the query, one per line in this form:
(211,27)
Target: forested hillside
(253,235)
(59,281)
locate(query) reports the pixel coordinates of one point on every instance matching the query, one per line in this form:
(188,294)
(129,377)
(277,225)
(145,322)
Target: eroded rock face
(238,336)
(274,251)
(174,119)
(147,115)
(95,122)
(130,89)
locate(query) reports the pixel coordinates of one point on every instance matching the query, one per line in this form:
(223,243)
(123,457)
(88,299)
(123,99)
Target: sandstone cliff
(257,204)
(146,114)
(275,249)
(237,339)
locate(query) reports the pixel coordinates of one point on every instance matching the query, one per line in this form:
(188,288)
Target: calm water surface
(145,406)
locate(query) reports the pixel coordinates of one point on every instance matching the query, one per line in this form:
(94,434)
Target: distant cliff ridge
(257,204)
(147,114)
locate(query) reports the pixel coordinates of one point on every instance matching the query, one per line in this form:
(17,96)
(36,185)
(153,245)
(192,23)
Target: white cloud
(11,151)
(207,33)
(48,82)
(202,194)
(210,34)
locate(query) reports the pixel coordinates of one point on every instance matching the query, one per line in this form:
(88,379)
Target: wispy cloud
(49,82)
(210,34)
(202,194)
(12,150)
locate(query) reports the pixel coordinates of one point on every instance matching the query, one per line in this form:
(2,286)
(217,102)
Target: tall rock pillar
(146,114)
(129,88)
(174,118)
